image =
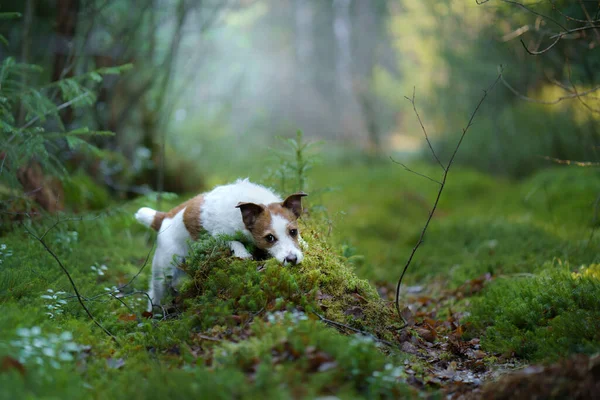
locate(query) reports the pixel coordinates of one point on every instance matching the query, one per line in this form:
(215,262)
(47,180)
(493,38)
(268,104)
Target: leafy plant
(294,160)
(32,128)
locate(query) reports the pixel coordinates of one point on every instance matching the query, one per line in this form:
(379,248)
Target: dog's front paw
(240,251)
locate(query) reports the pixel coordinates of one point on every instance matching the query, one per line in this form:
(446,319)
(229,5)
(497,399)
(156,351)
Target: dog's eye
(293,232)
(270,238)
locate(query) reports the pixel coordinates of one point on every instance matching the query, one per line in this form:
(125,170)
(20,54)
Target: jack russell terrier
(267,220)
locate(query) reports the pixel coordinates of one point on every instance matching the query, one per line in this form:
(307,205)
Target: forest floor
(508,278)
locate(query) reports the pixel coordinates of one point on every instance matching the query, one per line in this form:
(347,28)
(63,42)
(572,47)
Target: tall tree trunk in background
(303,16)
(153,112)
(25,48)
(66,25)
(45,191)
(342,31)
(365,47)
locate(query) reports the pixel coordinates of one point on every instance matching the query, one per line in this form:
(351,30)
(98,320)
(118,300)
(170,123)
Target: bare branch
(568,17)
(537,53)
(572,162)
(574,30)
(415,172)
(577,95)
(344,326)
(439,194)
(532,11)
(547,102)
(73,285)
(412,101)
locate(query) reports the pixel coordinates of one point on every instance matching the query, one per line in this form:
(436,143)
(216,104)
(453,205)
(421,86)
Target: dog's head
(274,227)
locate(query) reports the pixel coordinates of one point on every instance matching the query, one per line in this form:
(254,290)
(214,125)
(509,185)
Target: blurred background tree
(214,81)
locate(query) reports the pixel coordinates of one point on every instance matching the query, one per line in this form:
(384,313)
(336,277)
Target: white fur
(145,216)
(171,244)
(284,247)
(218,216)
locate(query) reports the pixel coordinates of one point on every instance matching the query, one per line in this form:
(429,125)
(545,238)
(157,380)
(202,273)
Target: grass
(246,333)
(483,224)
(266,351)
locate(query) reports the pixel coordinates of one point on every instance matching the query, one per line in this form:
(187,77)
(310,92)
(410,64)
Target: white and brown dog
(267,220)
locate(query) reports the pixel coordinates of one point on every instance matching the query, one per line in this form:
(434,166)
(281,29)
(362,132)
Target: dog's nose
(292,259)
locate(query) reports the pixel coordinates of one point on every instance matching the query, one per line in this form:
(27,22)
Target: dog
(256,211)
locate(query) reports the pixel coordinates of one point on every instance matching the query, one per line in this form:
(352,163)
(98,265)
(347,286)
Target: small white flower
(23,332)
(48,352)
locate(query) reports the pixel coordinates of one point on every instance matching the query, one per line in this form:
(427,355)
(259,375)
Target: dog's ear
(250,213)
(294,203)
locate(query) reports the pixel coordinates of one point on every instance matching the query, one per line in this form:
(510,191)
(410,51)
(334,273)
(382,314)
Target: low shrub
(544,317)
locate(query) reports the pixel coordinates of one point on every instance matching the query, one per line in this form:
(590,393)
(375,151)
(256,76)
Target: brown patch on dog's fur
(258,218)
(191,216)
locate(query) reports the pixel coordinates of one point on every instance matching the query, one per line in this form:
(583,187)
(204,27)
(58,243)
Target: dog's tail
(150,218)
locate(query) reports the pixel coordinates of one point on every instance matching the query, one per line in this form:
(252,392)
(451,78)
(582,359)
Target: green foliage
(295,344)
(285,353)
(222,286)
(550,315)
(31,125)
(294,162)
(455,49)
(483,225)
(82,193)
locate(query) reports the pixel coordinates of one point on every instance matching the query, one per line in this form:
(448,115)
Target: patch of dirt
(434,335)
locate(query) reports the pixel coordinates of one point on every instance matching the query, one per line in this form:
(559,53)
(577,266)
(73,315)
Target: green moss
(543,317)
(324,283)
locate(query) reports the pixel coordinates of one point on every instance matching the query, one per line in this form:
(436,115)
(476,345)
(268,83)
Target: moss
(324,283)
(543,317)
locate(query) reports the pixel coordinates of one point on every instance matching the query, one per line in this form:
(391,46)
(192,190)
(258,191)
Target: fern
(27,110)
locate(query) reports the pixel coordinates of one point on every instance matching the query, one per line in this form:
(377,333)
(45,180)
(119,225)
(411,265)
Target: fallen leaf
(9,363)
(409,348)
(127,317)
(355,311)
(426,333)
(407,316)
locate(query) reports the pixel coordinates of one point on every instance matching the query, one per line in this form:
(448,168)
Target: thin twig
(60,107)
(412,101)
(537,53)
(415,172)
(62,266)
(532,11)
(583,103)
(209,338)
(439,194)
(568,17)
(125,304)
(572,162)
(547,102)
(364,333)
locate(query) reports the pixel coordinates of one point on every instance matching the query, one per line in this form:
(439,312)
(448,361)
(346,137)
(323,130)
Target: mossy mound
(225,290)
(541,317)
